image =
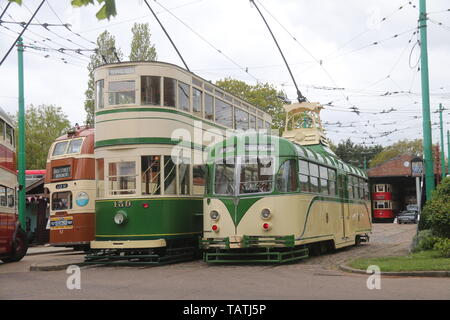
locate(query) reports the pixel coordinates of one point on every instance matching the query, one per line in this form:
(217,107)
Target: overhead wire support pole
(427,139)
(21,128)
(21,33)
(442,141)
(162,27)
(300,97)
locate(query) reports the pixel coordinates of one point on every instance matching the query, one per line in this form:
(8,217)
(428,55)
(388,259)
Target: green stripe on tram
(148,140)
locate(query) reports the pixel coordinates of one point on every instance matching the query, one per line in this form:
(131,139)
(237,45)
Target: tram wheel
(20,247)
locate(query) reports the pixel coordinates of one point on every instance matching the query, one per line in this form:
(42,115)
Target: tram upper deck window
(253,122)
(183,96)
(170,86)
(122,177)
(75,146)
(60,148)
(197,101)
(11,201)
(224,113)
(9,134)
(209,107)
(260,124)
(240,119)
(287,177)
(224,182)
(151,90)
(121,92)
(99,102)
(62,200)
(151,174)
(3,202)
(256,175)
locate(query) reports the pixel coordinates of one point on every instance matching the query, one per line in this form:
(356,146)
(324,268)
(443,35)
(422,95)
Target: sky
(347,55)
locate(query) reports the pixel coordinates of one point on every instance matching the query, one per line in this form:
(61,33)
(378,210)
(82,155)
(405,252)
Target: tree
(401,147)
(263,95)
(355,154)
(43,124)
(106,53)
(141,47)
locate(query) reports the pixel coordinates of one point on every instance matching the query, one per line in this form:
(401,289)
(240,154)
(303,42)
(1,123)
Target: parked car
(412,207)
(407,217)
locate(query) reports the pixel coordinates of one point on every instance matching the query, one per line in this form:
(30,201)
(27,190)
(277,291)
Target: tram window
(268,126)
(224,178)
(150,90)
(323,172)
(10,195)
(240,119)
(75,146)
(197,101)
(121,92)
(324,186)
(3,202)
(380,188)
(260,124)
(169,92)
(100,177)
(184,174)
(287,177)
(303,167)
(224,113)
(2,129)
(252,122)
(60,148)
(304,183)
(350,188)
(332,187)
(314,184)
(9,134)
(183,96)
(99,85)
(209,107)
(331,174)
(62,200)
(256,175)
(122,177)
(314,170)
(151,174)
(170,176)
(199,179)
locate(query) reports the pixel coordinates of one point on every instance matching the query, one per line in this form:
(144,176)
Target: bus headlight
(120,217)
(214,215)
(266,214)
(82,199)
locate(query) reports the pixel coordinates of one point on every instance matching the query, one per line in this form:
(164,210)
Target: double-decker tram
(13,239)
(153,122)
(70,179)
(275,199)
(382,203)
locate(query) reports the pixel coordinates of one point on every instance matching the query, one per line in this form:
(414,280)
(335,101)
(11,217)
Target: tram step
(255,257)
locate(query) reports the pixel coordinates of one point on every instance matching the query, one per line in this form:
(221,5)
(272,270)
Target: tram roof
(6,117)
(77,133)
(179,68)
(318,153)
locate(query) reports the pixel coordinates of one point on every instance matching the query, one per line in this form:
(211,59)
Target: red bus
(382,203)
(70,179)
(13,239)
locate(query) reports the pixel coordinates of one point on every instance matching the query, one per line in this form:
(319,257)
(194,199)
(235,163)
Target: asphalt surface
(314,278)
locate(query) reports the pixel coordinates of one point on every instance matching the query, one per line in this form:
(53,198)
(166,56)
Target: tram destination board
(61,172)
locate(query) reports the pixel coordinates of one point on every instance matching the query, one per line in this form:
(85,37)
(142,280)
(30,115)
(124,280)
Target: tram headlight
(266,214)
(120,217)
(214,215)
(82,199)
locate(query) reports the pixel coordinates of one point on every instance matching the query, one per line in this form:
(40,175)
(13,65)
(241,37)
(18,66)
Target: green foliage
(106,44)
(443,247)
(355,153)
(263,95)
(399,148)
(436,212)
(43,124)
(425,240)
(141,47)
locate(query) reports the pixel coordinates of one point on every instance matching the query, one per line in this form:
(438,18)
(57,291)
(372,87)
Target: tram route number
(122,204)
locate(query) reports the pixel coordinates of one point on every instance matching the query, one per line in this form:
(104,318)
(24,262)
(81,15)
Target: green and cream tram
(153,122)
(274,199)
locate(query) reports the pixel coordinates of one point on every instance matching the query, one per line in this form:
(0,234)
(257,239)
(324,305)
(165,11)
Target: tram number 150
(122,204)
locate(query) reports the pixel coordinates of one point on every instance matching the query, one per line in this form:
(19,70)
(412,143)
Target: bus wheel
(20,247)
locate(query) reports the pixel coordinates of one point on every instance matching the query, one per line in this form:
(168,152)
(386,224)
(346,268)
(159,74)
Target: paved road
(315,278)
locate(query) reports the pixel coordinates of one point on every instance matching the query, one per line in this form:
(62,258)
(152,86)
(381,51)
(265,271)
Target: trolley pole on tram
(442,141)
(427,140)
(21,144)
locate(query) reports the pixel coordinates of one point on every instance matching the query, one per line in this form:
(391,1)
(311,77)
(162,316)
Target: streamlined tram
(153,122)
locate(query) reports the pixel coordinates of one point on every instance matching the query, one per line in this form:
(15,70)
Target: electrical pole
(442,141)
(427,140)
(21,146)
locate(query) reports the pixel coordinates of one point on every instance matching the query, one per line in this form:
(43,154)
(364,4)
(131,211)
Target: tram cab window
(199,179)
(99,85)
(150,90)
(314,177)
(183,96)
(60,148)
(224,113)
(286,178)
(170,175)
(122,177)
(169,92)
(197,101)
(224,182)
(151,175)
(75,146)
(62,200)
(240,119)
(121,92)
(209,107)
(256,175)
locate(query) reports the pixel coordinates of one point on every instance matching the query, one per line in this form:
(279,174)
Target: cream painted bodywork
(131,244)
(75,186)
(290,217)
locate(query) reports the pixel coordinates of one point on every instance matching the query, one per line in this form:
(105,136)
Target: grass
(419,261)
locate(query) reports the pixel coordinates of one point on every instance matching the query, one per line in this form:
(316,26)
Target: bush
(443,247)
(425,240)
(436,213)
